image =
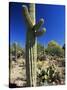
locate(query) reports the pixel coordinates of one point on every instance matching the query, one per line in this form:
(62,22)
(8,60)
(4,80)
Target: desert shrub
(40,49)
(16,50)
(41,77)
(54,49)
(48,76)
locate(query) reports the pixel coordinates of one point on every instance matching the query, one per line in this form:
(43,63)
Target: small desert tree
(54,48)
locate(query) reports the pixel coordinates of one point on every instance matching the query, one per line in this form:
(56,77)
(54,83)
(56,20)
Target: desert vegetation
(36,64)
(50,65)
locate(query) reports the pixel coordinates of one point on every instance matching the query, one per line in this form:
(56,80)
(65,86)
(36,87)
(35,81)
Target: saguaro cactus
(31,42)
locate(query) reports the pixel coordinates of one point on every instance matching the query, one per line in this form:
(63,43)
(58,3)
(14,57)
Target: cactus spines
(31,42)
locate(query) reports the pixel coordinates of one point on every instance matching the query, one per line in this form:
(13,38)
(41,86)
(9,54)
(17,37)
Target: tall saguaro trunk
(31,42)
(33,48)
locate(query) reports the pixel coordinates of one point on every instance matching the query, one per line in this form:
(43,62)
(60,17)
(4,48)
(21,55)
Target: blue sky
(54,22)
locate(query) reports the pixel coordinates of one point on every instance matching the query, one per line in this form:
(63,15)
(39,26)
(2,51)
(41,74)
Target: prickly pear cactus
(31,42)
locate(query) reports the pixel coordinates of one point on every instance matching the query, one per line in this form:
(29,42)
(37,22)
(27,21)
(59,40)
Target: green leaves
(54,49)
